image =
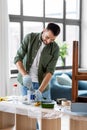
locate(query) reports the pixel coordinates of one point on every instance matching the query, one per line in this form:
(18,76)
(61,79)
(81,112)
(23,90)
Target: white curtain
(4,62)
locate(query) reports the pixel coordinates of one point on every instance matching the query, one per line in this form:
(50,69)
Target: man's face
(48,37)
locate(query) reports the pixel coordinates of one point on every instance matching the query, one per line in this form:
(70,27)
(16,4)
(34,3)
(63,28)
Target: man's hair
(54,28)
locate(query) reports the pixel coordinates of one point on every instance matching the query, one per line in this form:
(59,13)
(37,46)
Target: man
(36,60)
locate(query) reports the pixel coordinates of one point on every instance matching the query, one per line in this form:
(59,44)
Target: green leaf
(63,46)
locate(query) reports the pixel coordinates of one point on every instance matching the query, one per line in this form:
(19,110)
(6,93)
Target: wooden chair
(77,75)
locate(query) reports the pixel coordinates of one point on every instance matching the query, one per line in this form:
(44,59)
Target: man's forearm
(20,68)
(45,82)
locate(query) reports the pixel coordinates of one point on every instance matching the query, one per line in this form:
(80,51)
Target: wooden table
(24,117)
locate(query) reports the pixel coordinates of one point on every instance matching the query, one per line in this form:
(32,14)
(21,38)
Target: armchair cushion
(64,79)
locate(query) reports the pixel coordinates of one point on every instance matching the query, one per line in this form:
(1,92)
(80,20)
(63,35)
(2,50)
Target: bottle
(30,96)
(15,93)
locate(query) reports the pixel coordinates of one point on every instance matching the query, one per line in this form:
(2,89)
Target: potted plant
(63,52)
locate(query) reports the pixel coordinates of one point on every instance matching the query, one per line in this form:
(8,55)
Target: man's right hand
(27,81)
(38,95)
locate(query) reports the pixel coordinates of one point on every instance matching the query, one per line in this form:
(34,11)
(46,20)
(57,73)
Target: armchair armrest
(60,91)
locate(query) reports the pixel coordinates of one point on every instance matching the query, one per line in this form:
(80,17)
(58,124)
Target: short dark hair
(54,28)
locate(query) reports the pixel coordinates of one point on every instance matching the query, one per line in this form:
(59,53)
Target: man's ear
(44,30)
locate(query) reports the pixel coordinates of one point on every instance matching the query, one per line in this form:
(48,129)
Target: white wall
(84,35)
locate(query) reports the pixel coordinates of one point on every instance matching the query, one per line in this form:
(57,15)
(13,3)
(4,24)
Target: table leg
(51,124)
(78,124)
(24,122)
(6,120)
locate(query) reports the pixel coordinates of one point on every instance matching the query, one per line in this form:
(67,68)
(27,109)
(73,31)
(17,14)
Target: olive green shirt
(28,50)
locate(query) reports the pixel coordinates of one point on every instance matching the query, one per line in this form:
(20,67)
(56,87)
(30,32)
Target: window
(36,27)
(54,9)
(32,16)
(14,41)
(33,8)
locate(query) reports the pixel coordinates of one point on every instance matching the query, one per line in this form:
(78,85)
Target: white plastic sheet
(37,112)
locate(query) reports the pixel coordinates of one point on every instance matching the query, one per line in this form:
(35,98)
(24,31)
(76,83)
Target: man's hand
(27,81)
(38,95)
